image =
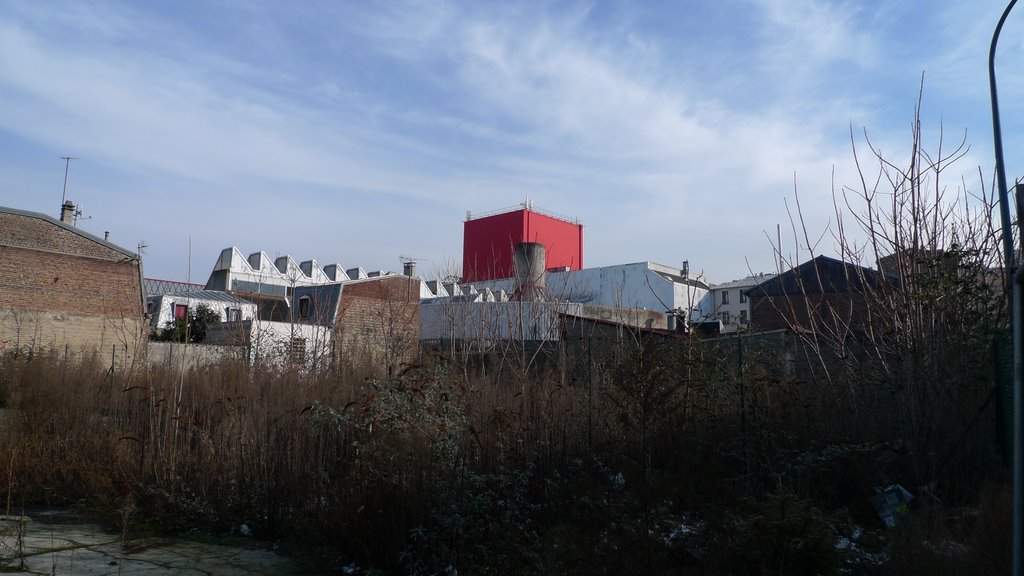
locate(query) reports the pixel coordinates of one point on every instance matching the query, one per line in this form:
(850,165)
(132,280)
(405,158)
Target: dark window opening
(305,308)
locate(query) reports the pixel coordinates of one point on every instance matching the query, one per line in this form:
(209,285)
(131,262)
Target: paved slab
(52,545)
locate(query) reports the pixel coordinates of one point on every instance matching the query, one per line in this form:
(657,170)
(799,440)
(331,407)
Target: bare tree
(909,341)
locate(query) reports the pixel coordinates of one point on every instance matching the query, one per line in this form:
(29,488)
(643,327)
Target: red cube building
(488,240)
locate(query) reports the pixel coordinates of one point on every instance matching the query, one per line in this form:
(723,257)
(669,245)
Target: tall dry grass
(575,468)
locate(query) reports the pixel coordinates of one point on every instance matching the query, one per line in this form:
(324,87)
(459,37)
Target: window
(180,311)
(233,314)
(725,317)
(305,308)
(296,350)
(725,296)
(743,296)
(743,316)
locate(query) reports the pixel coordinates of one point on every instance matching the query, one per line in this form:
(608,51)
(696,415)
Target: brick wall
(828,312)
(17,230)
(378,322)
(72,334)
(61,290)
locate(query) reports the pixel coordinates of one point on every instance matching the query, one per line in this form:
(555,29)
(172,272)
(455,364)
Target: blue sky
(356,132)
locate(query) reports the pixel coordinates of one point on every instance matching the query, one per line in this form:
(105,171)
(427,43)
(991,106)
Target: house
(165,308)
(821,294)
(728,303)
(373,321)
(64,289)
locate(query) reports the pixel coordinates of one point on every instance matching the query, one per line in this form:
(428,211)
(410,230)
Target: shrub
(193,329)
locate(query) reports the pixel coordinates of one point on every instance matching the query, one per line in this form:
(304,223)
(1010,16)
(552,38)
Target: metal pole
(1010,262)
(67,164)
(1018,408)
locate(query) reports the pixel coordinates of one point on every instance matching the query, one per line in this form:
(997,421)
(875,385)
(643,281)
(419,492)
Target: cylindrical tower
(529,260)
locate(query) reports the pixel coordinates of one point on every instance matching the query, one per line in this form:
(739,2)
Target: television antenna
(78,216)
(67,166)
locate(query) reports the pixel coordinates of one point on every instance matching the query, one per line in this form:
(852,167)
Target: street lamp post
(1017,312)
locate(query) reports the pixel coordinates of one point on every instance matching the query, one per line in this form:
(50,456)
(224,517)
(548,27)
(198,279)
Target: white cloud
(341,115)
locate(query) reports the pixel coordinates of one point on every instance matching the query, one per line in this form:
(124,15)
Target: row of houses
(63,288)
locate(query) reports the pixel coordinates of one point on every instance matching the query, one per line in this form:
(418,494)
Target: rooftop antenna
(67,165)
(409,265)
(78,216)
(778,240)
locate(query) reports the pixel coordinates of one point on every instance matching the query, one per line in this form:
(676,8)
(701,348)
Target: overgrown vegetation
(191,328)
(648,454)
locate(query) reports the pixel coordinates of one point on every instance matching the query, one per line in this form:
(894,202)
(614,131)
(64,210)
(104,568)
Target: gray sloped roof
(70,228)
(821,275)
(208,296)
(744,282)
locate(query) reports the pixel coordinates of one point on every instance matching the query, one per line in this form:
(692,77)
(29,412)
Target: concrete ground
(55,545)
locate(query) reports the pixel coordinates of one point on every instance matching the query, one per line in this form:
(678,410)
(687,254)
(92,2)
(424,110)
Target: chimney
(529,258)
(409,269)
(106,236)
(67,212)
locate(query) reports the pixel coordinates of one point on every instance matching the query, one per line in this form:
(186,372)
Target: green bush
(193,329)
(784,534)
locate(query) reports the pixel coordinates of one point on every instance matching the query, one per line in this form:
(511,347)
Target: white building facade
(640,285)
(728,303)
(164,308)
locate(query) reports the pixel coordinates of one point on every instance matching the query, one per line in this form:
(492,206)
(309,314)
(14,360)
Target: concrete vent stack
(529,258)
(67,212)
(409,269)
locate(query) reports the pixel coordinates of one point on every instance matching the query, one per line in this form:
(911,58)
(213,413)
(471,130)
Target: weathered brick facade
(63,289)
(833,313)
(378,321)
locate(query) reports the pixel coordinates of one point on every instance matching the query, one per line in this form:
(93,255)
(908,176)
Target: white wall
(633,285)
(712,308)
(270,341)
(163,308)
(493,321)
(265,272)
